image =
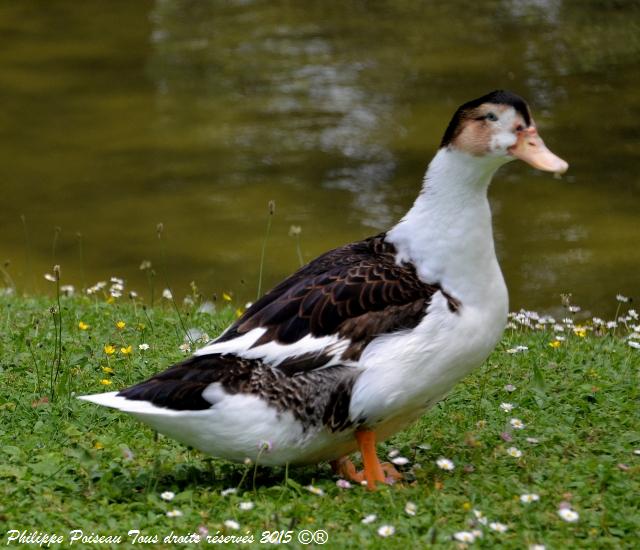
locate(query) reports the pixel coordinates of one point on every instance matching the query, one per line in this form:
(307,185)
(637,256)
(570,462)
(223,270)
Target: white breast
(447,235)
(412,370)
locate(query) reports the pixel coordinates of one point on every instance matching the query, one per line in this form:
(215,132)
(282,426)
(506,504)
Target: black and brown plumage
(361,341)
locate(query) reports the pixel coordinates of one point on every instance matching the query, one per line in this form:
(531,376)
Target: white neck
(447,233)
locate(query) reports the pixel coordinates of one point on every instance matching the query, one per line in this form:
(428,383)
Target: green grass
(67,464)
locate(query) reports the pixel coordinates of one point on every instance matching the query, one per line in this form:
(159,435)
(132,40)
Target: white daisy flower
(611,324)
(514,452)
(343,484)
(49,277)
(506,407)
(527,498)
(567,514)
(143,347)
(636,452)
(480,517)
(227,492)
(315,490)
(246,506)
(410,508)
(231,524)
(393,453)
(386,530)
(400,461)
(533,440)
(167,495)
(517,423)
(464,536)
(518,349)
(634,344)
(574,309)
(510,388)
(537,547)
(127,453)
(497,526)
(622,298)
(445,464)
(174,513)
(369,519)
(166,294)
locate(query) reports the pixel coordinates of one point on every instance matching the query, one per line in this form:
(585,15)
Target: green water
(118,115)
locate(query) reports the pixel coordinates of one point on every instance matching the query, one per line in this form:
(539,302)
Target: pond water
(117,116)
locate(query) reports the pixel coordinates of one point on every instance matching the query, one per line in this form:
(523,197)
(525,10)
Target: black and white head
(500,125)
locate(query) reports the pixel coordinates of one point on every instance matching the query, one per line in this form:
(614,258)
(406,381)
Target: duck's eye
(491,116)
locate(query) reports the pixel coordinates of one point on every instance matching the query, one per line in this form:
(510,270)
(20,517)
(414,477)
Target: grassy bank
(569,439)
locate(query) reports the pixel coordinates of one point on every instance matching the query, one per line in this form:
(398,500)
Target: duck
(363,340)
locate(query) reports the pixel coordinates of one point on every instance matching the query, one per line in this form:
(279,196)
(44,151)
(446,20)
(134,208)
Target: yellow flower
(555,344)
(466,506)
(226,297)
(580,331)
(239,312)
(108,370)
(110,300)
(127,350)
(120,325)
(109,349)
(82,325)
(105,382)
(98,445)
(141,326)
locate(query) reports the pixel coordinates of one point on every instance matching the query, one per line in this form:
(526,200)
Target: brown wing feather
(357,291)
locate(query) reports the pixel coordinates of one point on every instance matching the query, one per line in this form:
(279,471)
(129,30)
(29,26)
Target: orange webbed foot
(345,468)
(392,475)
(374,472)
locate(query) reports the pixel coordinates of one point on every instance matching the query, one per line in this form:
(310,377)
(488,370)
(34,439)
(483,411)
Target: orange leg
(373,472)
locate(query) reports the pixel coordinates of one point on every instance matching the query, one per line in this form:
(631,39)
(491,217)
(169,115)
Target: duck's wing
(311,329)
(331,309)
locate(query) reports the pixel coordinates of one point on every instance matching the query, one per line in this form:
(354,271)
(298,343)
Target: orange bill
(531,149)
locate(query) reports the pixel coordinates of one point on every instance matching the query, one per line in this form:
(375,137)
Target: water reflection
(312,96)
(197,114)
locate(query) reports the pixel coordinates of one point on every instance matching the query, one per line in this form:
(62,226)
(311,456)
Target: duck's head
(499,126)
